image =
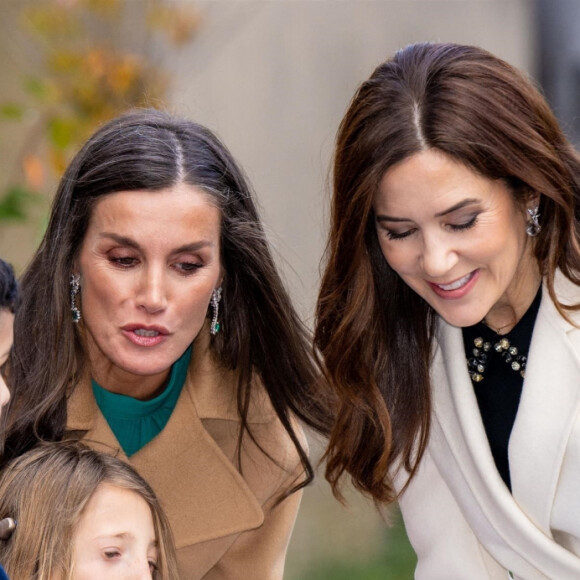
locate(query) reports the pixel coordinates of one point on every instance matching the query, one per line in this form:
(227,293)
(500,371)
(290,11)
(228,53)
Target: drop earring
(216,296)
(533,228)
(75,286)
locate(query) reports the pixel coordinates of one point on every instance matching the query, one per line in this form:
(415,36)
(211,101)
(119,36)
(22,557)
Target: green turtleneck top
(136,422)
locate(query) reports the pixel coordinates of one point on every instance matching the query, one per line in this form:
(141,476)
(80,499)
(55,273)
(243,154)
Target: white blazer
(460,517)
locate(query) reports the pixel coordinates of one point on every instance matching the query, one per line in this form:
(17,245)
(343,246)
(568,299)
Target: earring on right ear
(533,228)
(75,287)
(216,296)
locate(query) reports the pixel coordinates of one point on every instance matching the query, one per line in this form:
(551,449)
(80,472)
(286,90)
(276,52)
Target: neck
(143,388)
(507,313)
(509,320)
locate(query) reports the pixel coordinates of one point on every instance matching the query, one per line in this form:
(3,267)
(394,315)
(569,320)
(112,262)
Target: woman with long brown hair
(154,326)
(448,314)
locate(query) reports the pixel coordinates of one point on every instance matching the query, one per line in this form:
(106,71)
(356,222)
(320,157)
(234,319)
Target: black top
(499,390)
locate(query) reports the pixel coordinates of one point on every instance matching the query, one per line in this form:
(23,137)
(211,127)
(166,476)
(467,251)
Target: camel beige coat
(226,525)
(461,518)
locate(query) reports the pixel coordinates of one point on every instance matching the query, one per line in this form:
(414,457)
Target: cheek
(193,305)
(397,257)
(100,292)
(504,245)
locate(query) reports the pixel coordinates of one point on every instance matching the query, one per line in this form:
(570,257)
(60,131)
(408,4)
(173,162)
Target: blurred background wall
(273,79)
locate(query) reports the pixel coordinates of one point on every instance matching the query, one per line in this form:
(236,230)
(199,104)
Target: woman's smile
(456,289)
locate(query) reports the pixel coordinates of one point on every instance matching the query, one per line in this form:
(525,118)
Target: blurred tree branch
(96,58)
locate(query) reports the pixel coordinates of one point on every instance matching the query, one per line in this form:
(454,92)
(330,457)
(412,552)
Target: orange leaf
(33,172)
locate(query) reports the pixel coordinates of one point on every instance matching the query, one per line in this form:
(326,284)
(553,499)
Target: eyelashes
(399,235)
(184,269)
(465,226)
(393,235)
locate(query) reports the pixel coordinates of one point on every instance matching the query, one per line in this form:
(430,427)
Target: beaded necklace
(482,348)
(511,347)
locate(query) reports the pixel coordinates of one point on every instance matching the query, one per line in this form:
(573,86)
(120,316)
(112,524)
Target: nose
(139,569)
(438,256)
(152,293)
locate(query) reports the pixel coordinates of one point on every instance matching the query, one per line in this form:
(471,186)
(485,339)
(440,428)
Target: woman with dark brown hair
(448,314)
(154,326)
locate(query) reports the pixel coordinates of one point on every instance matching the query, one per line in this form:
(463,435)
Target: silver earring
(216,296)
(75,286)
(533,228)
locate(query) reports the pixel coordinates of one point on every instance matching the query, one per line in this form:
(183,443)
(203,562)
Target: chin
(461,320)
(141,369)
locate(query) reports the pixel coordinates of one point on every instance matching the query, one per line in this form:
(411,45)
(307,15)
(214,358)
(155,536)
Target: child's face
(115,537)
(6,338)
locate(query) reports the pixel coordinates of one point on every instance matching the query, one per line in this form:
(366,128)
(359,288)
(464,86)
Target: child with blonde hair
(81,515)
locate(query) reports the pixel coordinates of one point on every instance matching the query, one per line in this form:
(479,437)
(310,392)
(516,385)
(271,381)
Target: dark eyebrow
(125,241)
(460,205)
(388,218)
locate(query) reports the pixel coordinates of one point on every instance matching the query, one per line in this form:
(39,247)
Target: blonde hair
(46,490)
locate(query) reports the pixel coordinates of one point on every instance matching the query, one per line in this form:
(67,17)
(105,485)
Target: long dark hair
(152,150)
(373,332)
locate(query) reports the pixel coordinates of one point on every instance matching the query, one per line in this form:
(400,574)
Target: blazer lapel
(548,407)
(202,493)
(460,449)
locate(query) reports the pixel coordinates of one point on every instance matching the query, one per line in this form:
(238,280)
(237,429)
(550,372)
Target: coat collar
(204,496)
(210,385)
(548,407)
(510,525)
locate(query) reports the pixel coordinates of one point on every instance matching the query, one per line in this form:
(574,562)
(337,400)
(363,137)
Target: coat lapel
(549,405)
(460,449)
(203,494)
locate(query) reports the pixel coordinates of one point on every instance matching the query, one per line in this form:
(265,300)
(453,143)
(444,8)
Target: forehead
(157,215)
(427,180)
(113,509)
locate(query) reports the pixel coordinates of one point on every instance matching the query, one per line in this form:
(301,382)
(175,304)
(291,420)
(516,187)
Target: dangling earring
(75,286)
(216,296)
(533,228)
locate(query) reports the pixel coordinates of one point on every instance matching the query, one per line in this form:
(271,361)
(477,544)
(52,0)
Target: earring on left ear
(533,228)
(216,296)
(75,287)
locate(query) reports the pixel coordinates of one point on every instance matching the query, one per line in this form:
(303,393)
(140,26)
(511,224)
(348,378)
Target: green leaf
(36,87)
(13,204)
(12,111)
(62,131)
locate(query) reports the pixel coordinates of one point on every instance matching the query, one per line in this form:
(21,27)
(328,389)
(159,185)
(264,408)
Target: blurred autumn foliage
(95,58)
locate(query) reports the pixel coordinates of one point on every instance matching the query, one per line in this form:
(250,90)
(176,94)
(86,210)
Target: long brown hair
(46,490)
(263,336)
(373,332)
